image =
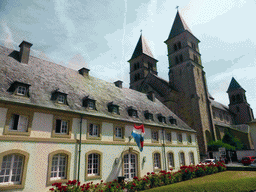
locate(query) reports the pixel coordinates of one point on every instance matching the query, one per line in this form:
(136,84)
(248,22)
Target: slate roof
(45,77)
(179,26)
(243,127)
(219,105)
(234,85)
(142,48)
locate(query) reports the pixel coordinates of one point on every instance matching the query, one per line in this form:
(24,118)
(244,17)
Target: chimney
(84,72)
(24,51)
(151,95)
(119,83)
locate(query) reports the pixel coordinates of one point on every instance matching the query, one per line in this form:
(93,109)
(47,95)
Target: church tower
(141,63)
(238,103)
(187,76)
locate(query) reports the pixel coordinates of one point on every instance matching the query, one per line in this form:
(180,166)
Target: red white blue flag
(138,135)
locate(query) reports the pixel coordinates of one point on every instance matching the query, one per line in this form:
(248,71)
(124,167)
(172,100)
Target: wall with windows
(48,148)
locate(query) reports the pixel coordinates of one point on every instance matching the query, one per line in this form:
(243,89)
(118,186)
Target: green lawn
(224,181)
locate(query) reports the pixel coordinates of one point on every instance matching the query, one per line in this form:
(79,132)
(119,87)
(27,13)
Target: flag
(138,135)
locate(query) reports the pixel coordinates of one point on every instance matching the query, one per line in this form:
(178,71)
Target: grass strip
(226,181)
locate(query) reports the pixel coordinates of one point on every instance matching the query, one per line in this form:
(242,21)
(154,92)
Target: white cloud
(6,36)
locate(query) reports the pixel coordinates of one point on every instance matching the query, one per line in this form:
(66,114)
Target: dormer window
(172,120)
(89,103)
(59,97)
(132,112)
(112,108)
(148,116)
(161,118)
(19,88)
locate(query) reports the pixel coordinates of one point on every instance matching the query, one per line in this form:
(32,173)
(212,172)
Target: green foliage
(231,140)
(215,145)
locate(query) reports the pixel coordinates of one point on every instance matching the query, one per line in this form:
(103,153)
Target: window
(169,137)
(156,161)
(179,135)
(93,165)
(193,45)
(175,47)
(176,60)
(58,167)
(112,108)
(19,88)
(18,123)
(221,116)
(59,97)
(170,159)
(172,120)
(191,158)
(154,135)
(179,45)
(189,139)
(136,66)
(94,131)
(13,169)
(118,132)
(214,115)
(182,159)
(61,126)
(181,58)
(150,66)
(237,109)
(148,116)
(89,103)
(161,118)
(132,112)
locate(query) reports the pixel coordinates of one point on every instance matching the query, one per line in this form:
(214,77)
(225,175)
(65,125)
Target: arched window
(182,159)
(93,165)
(156,161)
(191,158)
(13,169)
(170,160)
(59,166)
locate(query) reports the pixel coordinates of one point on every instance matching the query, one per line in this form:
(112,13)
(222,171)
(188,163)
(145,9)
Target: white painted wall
(3,112)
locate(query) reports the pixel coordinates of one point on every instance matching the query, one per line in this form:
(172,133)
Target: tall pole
(165,167)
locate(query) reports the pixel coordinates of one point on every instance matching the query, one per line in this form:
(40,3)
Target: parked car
(248,160)
(206,161)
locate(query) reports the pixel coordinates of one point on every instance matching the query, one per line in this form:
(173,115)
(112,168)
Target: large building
(58,124)
(186,92)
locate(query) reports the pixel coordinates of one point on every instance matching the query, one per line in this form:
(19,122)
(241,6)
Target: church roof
(233,85)
(142,48)
(178,26)
(44,77)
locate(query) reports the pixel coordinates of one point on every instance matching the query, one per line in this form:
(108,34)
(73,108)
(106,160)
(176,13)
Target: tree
(231,140)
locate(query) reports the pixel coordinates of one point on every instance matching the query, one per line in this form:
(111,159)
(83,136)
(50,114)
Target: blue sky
(101,35)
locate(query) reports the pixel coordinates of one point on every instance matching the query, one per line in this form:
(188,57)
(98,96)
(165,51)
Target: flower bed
(149,181)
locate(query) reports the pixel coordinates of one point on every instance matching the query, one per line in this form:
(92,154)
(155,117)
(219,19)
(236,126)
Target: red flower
(51,189)
(131,188)
(135,177)
(73,182)
(109,186)
(134,184)
(101,181)
(148,173)
(78,183)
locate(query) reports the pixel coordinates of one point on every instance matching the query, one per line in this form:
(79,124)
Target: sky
(101,35)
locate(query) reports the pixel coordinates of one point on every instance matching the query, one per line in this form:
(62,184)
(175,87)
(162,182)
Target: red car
(248,160)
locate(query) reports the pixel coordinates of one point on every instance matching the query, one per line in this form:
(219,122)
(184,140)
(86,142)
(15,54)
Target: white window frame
(63,126)
(11,160)
(22,124)
(179,137)
(155,135)
(21,90)
(94,130)
(119,132)
(114,110)
(157,161)
(130,165)
(60,167)
(169,137)
(191,158)
(61,98)
(171,159)
(93,165)
(182,159)
(91,105)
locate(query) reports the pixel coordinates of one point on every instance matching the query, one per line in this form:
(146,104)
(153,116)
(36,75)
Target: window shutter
(58,125)
(23,123)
